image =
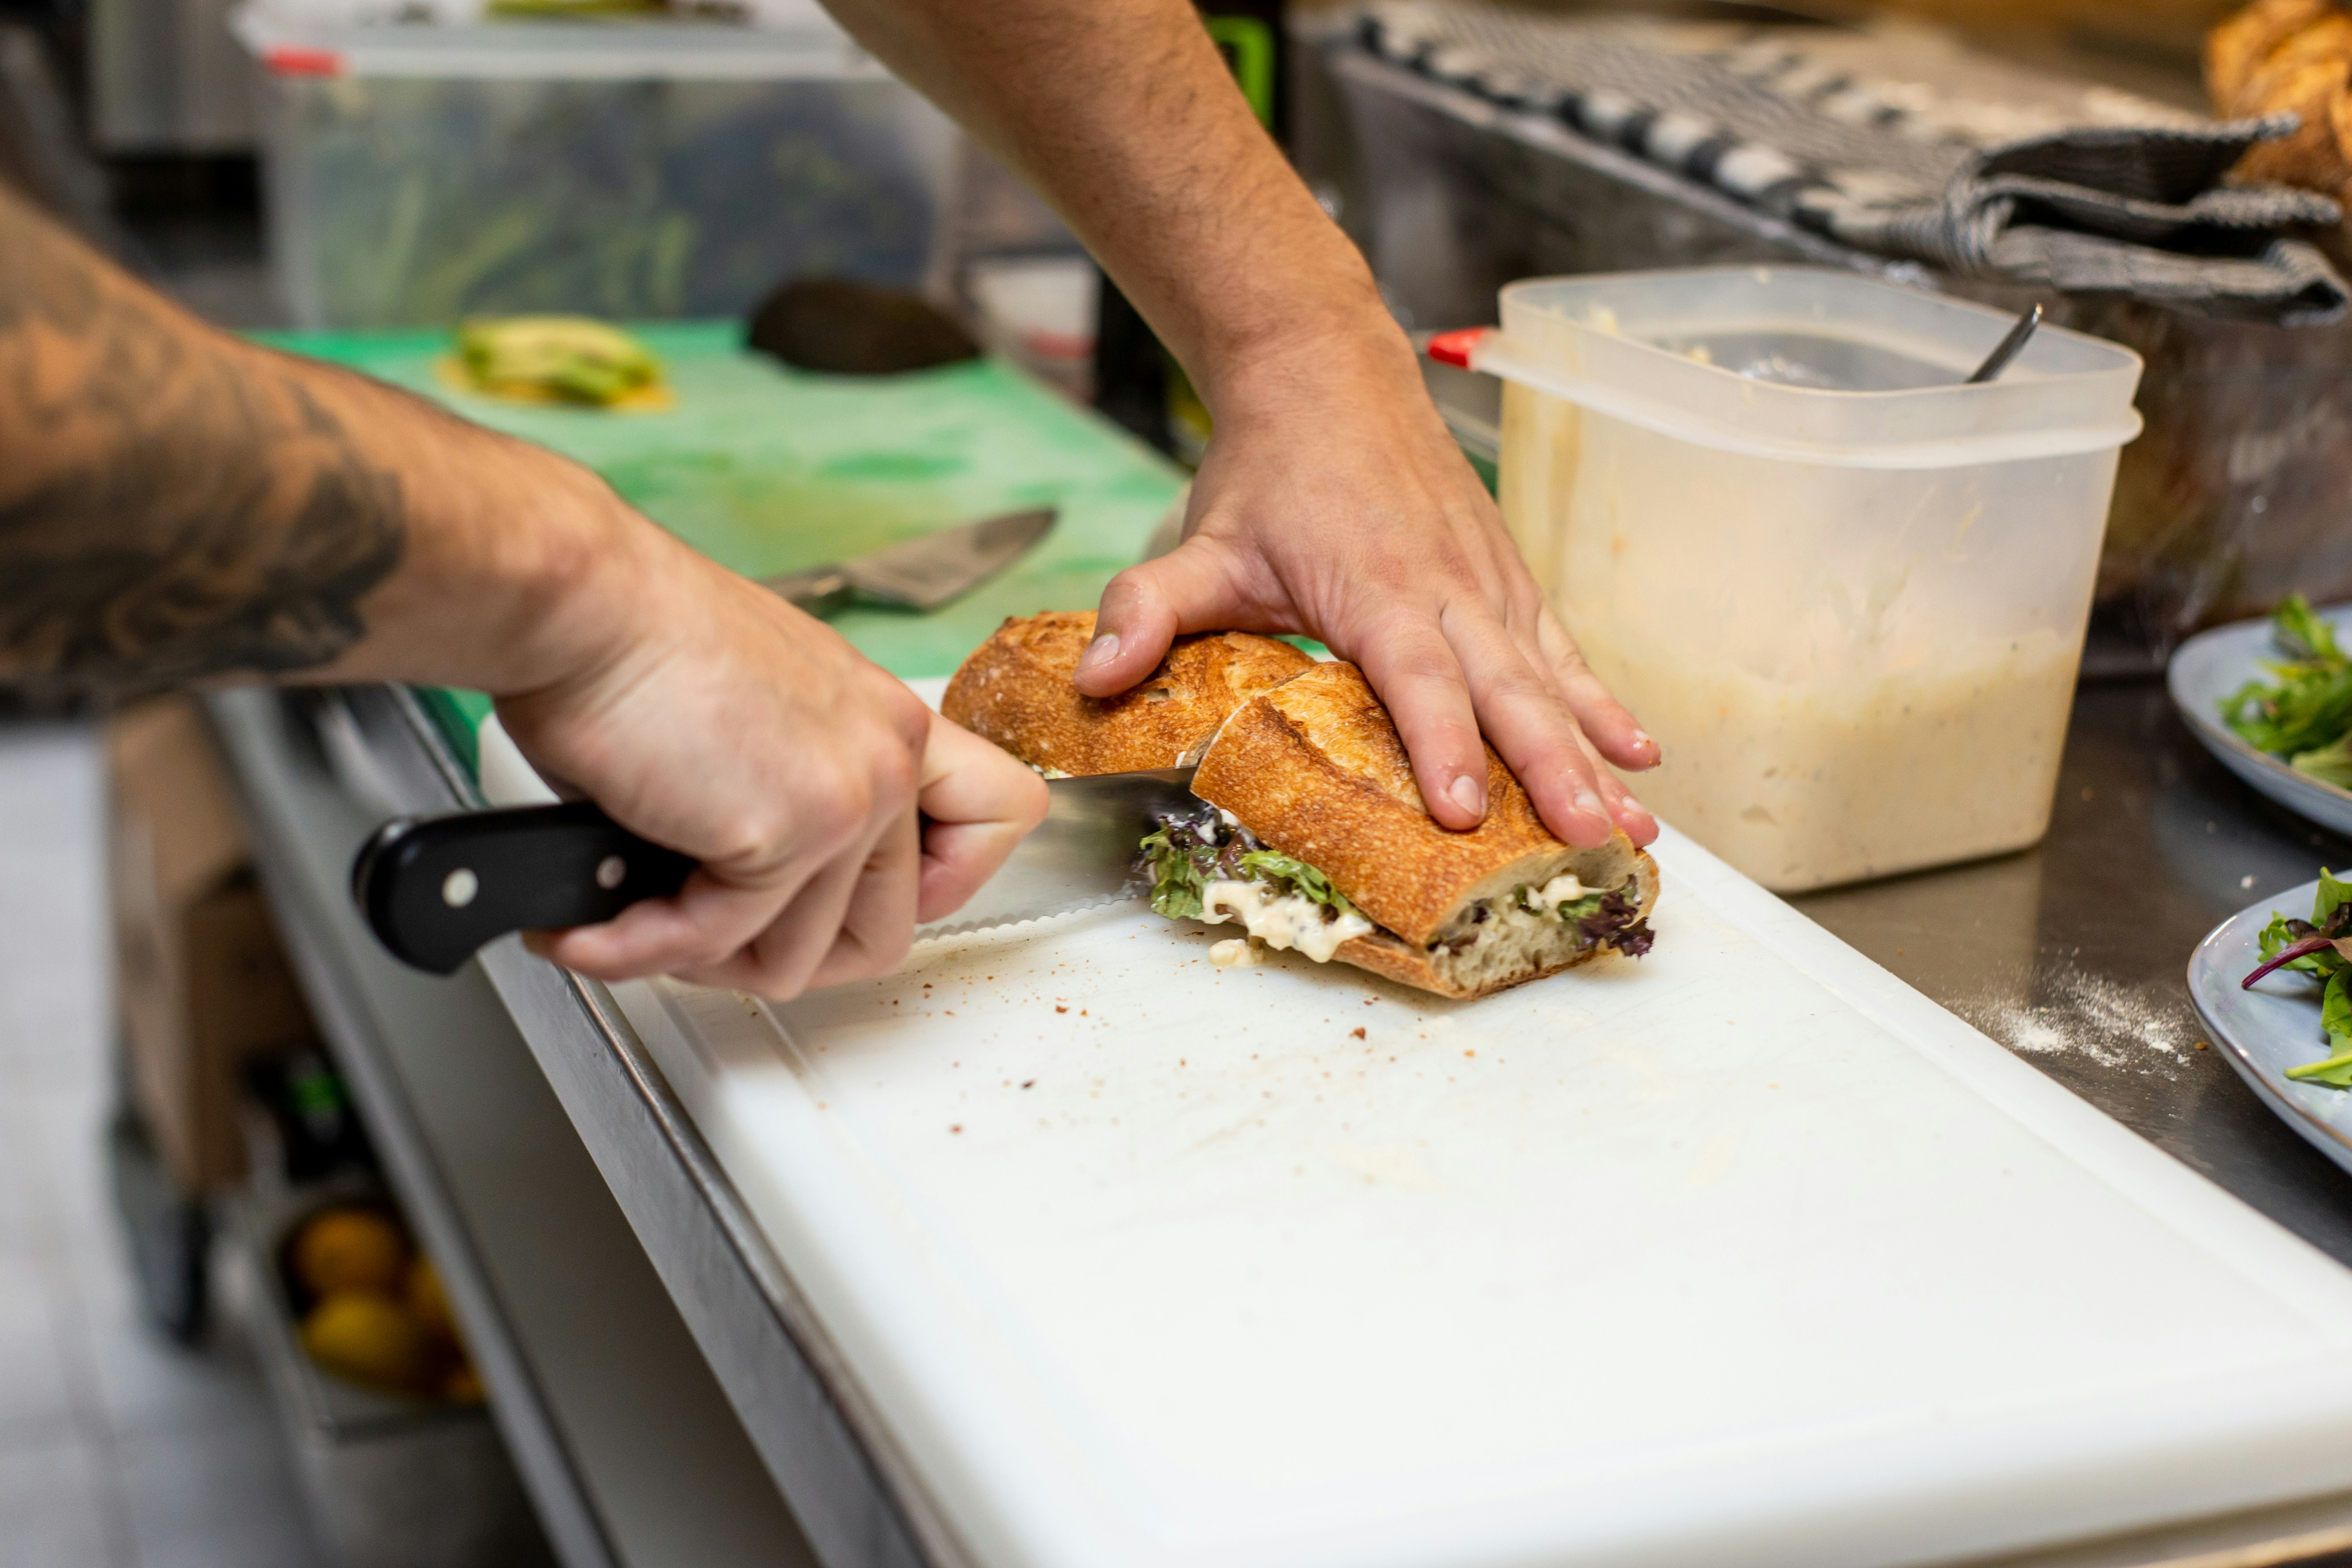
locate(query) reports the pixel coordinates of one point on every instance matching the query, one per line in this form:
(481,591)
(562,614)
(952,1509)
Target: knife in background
(919,573)
(434,889)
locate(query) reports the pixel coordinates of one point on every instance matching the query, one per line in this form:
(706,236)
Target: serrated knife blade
(1080,857)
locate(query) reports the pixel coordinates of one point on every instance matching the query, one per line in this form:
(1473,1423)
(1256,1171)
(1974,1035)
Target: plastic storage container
(419,173)
(1845,592)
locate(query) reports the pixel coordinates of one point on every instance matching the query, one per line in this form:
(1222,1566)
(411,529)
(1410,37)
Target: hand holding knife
(434,889)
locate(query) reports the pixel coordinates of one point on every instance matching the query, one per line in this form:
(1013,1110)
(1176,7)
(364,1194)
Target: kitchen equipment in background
(434,889)
(2233,498)
(1039,314)
(836,326)
(167,77)
(921,574)
(1845,592)
(631,170)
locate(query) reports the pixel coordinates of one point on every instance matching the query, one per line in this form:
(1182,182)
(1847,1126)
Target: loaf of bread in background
(2288,57)
(1018,689)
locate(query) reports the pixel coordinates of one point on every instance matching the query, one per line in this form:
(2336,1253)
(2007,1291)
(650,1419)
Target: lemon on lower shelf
(377,1314)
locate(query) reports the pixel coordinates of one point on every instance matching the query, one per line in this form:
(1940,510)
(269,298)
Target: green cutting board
(766,469)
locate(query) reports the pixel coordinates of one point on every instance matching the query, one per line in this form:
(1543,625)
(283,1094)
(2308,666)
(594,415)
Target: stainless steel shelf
(630,1451)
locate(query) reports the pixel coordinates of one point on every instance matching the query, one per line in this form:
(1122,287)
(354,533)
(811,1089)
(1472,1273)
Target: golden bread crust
(2241,44)
(2288,55)
(1315,768)
(1016,689)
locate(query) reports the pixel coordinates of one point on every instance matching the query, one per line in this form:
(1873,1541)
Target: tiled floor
(117,1448)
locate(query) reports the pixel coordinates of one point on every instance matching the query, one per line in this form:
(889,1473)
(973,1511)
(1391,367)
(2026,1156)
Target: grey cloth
(2136,209)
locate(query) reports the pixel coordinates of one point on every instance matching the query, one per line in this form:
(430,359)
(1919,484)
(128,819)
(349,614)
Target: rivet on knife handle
(434,889)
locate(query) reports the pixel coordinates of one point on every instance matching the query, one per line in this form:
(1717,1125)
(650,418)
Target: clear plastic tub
(1845,592)
(417,173)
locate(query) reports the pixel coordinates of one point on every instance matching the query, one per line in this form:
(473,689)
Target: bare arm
(178,506)
(1332,502)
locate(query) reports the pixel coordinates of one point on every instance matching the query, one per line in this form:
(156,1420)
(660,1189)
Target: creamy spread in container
(1844,774)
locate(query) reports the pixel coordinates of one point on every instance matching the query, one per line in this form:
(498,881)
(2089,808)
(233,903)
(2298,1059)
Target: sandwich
(1017,690)
(1311,836)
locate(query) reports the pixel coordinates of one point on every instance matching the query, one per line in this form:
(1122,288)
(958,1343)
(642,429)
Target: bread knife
(434,889)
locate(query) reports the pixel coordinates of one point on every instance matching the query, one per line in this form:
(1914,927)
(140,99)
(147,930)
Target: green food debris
(2304,712)
(570,357)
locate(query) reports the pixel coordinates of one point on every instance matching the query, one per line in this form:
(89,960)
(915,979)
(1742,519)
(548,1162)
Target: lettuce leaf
(2304,711)
(2298,629)
(2335,1017)
(1272,866)
(1176,876)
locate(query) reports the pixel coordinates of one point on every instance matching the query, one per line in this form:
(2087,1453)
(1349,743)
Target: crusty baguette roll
(1016,689)
(1315,769)
(2288,55)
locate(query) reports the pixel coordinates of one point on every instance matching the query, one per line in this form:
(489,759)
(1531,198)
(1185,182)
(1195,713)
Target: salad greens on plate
(2304,713)
(2320,948)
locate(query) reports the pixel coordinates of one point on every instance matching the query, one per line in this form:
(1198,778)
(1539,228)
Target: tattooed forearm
(173,506)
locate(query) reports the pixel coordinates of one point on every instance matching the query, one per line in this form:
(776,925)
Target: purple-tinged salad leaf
(2318,947)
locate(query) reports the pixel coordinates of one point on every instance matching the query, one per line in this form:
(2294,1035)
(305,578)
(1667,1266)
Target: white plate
(2275,1025)
(2212,666)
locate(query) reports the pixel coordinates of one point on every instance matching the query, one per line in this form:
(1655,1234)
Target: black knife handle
(434,889)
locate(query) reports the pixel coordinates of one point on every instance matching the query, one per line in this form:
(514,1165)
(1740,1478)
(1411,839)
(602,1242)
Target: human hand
(718,720)
(977,803)
(1333,502)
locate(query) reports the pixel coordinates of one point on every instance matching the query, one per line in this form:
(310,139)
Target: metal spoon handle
(2007,349)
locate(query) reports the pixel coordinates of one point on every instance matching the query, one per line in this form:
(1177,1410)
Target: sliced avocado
(571,357)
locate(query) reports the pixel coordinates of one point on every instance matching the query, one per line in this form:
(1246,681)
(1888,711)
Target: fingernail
(1102,650)
(1589,801)
(1468,793)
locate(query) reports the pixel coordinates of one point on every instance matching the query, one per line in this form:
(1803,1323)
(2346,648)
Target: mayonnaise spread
(1280,920)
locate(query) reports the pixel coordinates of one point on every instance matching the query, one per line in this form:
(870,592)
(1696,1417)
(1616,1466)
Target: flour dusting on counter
(2090,1017)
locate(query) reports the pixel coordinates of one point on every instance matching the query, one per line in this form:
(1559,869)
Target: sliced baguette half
(1017,690)
(1314,768)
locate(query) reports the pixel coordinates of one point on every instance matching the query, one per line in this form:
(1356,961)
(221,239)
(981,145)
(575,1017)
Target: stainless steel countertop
(2074,953)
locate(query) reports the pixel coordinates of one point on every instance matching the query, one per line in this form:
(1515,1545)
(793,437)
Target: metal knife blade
(919,573)
(436,889)
(1079,856)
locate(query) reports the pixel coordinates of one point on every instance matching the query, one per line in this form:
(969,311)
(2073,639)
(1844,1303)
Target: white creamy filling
(1044,772)
(1563,888)
(1234,952)
(1280,920)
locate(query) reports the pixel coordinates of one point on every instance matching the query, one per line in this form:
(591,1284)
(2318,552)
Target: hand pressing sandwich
(1311,834)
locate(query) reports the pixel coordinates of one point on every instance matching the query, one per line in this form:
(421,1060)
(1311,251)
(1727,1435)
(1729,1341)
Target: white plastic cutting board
(1745,1253)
